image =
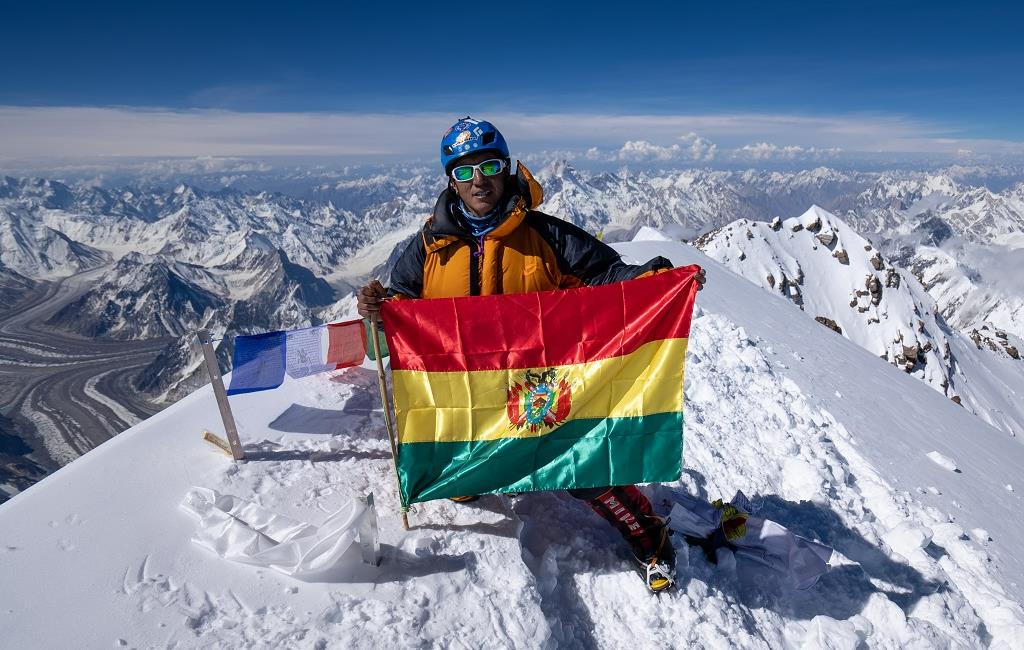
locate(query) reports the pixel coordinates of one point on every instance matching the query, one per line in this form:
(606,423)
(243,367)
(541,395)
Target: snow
(945,462)
(646,233)
(99,553)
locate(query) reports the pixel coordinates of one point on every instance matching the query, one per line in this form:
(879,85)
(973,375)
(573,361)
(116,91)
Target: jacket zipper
(476,260)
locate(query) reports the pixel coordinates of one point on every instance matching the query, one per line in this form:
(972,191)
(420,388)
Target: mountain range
(927,281)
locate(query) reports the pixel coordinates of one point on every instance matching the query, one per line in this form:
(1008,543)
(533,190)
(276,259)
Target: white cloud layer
(692,147)
(65,132)
(769,151)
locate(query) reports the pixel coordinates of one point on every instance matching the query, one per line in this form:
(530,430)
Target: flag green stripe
(577,454)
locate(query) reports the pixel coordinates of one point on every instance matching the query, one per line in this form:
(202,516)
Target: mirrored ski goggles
(464,173)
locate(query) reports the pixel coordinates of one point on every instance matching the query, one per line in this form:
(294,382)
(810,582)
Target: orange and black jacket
(527,251)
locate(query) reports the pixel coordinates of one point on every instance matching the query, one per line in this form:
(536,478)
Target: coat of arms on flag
(547,390)
(542,399)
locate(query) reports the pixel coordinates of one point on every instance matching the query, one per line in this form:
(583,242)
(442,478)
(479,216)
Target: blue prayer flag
(258,362)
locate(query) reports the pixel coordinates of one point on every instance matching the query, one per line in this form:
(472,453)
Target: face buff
(479,226)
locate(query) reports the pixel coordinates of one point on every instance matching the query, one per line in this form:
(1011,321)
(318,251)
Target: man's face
(482,193)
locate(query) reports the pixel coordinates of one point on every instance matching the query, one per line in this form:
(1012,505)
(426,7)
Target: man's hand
(370,298)
(700,278)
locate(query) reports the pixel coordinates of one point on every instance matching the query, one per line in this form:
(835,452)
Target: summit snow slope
(913,492)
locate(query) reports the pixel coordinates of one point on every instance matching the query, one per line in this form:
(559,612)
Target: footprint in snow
(945,462)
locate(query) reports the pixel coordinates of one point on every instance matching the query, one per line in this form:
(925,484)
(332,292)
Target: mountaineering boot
(657,568)
(469,499)
(628,510)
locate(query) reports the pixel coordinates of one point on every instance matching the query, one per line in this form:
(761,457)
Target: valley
(63,394)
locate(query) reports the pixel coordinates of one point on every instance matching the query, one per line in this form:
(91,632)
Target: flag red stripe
(540,329)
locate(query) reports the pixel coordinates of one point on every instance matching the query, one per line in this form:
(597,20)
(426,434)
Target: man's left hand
(701,279)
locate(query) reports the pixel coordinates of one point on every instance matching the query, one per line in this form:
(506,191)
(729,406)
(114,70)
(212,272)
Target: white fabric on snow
(243,531)
(799,561)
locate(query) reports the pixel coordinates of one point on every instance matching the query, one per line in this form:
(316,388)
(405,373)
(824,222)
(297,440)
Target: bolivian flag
(540,391)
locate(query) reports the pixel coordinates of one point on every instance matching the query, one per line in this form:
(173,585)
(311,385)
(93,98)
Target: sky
(754,79)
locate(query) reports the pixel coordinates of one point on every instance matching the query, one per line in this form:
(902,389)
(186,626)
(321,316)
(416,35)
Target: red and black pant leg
(627,509)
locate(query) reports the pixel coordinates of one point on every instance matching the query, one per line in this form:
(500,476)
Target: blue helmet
(469,136)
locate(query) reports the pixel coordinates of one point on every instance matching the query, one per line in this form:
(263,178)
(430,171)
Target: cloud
(700,148)
(641,150)
(69,132)
(769,151)
(999,266)
(693,147)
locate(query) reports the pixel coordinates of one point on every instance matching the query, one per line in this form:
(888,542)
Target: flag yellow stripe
(471,406)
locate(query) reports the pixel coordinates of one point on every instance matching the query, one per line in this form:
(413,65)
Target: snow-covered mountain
(681,204)
(917,496)
(901,204)
(841,280)
(232,256)
(35,250)
(975,286)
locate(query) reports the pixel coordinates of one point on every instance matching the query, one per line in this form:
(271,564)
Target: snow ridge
(841,280)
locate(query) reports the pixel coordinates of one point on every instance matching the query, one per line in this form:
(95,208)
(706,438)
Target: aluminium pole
(206,342)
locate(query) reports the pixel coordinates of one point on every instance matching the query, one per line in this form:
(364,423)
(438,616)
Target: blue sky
(943,72)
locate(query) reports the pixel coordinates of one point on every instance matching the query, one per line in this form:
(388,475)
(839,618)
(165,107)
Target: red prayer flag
(346,345)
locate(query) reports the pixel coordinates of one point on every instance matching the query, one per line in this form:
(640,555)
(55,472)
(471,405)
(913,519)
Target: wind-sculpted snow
(840,279)
(776,406)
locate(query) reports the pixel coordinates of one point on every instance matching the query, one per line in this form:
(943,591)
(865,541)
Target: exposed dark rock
(892,278)
(874,287)
(876,261)
(13,286)
(829,323)
(935,230)
(910,352)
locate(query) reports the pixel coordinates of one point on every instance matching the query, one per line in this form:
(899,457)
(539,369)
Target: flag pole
(206,342)
(388,424)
